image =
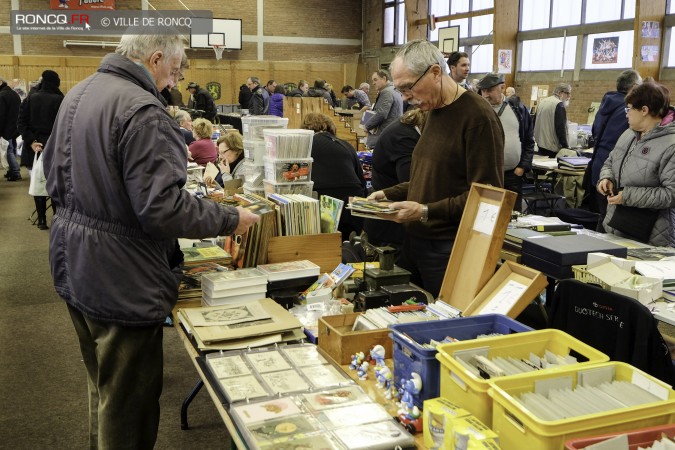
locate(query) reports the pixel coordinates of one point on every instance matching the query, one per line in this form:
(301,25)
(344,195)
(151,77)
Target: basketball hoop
(218,49)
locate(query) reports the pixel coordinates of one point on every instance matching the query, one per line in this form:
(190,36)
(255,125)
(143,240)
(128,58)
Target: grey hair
(627,79)
(255,80)
(362,85)
(562,87)
(418,55)
(181,116)
(142,46)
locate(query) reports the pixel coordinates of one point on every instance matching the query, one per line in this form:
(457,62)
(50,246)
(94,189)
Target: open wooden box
(338,340)
(508,292)
(479,240)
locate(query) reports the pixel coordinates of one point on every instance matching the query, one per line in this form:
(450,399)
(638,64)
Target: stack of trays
(254,149)
(288,162)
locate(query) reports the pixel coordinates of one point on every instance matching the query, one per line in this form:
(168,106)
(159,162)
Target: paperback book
(362,207)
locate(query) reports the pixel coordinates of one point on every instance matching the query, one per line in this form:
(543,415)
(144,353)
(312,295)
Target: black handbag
(634,222)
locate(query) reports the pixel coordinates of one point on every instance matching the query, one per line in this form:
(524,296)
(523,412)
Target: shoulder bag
(632,221)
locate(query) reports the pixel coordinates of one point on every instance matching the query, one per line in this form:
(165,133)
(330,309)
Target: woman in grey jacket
(640,171)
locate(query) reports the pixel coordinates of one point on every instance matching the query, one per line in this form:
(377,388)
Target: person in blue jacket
(610,122)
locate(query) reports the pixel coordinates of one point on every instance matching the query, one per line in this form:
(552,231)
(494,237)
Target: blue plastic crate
(410,356)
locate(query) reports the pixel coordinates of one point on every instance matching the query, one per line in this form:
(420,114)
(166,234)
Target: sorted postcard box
(338,340)
(479,241)
(508,292)
(643,289)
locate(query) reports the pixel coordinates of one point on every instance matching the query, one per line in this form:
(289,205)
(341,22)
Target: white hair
(418,55)
(142,46)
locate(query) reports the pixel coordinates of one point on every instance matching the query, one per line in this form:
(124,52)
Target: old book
(193,256)
(289,270)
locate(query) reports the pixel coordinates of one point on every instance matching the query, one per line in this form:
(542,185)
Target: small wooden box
(478,243)
(338,340)
(510,305)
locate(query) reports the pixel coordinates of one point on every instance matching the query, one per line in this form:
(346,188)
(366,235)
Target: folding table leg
(183,409)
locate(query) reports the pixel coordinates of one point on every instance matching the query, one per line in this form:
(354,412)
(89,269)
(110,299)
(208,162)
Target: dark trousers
(14,168)
(427,260)
(514,183)
(124,376)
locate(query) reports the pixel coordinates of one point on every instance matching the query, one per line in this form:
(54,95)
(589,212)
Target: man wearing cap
(550,126)
(260,98)
(201,99)
(518,132)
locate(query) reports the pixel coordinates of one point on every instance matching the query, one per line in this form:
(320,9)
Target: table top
(664,311)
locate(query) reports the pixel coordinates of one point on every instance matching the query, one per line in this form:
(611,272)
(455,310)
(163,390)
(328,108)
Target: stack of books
(235,286)
(289,270)
(195,256)
(191,283)
(573,163)
(362,207)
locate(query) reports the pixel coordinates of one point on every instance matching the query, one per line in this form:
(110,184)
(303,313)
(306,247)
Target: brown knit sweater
(462,143)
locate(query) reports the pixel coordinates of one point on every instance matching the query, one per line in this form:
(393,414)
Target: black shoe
(14,178)
(42,225)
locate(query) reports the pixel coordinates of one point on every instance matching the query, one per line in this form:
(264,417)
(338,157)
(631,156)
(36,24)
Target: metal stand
(183,409)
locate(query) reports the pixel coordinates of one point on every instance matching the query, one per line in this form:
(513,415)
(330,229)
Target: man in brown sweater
(462,143)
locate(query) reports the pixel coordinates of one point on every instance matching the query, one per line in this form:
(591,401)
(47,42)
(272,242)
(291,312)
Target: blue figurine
(378,354)
(409,388)
(362,371)
(357,359)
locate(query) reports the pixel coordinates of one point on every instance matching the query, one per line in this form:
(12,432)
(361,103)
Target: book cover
(568,250)
(290,269)
(233,279)
(331,211)
(199,255)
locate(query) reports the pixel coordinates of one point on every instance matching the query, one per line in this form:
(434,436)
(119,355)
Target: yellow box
(471,392)
(437,412)
(520,429)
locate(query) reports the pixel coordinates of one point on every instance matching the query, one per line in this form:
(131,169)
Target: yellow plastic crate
(471,392)
(519,429)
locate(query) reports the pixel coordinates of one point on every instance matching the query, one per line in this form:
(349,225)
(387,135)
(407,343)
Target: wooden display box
(338,340)
(478,243)
(504,293)
(324,250)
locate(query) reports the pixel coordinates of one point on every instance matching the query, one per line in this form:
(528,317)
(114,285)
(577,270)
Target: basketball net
(219,51)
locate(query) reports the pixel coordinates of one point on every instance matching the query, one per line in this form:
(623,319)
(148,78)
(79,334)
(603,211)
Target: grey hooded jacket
(647,178)
(115,165)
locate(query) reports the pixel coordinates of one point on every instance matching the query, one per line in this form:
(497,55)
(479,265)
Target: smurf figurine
(357,359)
(377,354)
(384,381)
(409,387)
(362,371)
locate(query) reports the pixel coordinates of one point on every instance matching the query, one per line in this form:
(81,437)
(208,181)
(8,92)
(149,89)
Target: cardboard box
(508,292)
(338,340)
(643,289)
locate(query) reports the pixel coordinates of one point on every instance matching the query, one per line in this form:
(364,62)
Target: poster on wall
(606,50)
(504,61)
(649,53)
(650,29)
(82,4)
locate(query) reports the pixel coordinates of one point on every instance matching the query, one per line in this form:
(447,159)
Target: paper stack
(240,325)
(236,286)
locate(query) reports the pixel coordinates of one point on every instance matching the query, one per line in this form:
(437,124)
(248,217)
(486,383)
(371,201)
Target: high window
(395,29)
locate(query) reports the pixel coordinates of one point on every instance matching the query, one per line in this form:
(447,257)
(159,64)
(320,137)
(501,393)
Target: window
(609,50)
(481,59)
(535,15)
(546,54)
(565,13)
(395,29)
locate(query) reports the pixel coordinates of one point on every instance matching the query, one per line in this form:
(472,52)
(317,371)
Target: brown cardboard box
(338,340)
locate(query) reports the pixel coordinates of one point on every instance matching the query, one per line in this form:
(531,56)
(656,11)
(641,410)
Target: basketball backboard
(229,28)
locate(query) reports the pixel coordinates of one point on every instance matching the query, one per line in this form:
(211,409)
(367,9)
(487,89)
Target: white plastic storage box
(288,170)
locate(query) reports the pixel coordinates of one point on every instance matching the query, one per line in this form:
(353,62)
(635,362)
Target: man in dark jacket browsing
(115,165)
(202,100)
(9,113)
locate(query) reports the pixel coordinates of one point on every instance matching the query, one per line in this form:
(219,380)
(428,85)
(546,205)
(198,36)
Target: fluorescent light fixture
(102,44)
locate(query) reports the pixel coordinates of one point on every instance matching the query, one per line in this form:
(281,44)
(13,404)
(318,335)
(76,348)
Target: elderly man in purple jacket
(115,165)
